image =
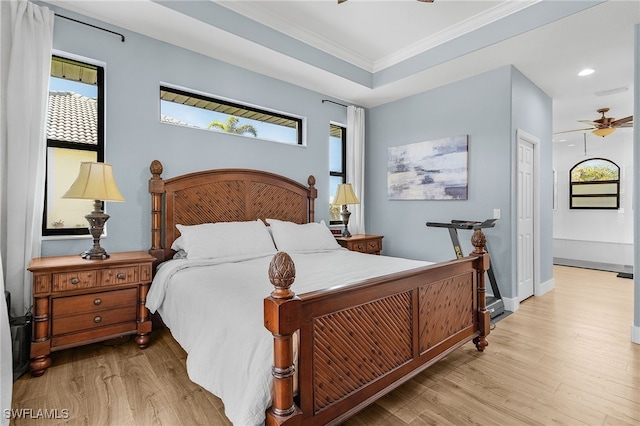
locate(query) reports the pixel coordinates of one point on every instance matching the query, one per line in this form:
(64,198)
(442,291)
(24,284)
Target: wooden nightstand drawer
(89,320)
(93,335)
(359,246)
(75,280)
(373,246)
(120,275)
(63,306)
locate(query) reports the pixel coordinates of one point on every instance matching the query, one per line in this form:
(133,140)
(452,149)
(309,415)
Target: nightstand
(363,243)
(78,301)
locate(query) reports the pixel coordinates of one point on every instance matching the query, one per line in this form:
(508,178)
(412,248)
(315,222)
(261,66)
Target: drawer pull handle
(97,320)
(121,276)
(74,281)
(360,246)
(97,302)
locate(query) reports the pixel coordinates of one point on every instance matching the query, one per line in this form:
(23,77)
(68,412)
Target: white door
(526,209)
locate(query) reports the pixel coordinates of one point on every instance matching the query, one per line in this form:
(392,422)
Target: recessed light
(586,71)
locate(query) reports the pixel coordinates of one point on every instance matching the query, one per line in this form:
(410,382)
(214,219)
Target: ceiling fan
(604,125)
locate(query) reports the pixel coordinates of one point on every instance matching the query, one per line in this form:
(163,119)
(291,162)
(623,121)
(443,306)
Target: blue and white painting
(431,170)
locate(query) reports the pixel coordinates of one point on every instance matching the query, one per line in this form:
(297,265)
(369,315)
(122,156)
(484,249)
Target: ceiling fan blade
(574,130)
(621,121)
(590,123)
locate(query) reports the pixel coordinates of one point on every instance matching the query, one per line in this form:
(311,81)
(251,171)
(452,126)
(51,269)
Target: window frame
(343,173)
(206,97)
(588,189)
(98,147)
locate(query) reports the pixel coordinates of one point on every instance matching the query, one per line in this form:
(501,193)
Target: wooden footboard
(359,342)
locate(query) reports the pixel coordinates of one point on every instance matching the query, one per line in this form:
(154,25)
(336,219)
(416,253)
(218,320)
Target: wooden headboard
(222,195)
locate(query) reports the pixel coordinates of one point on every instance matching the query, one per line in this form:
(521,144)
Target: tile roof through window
(170,120)
(72,117)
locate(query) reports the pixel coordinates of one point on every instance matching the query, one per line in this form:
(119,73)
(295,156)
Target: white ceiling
(378,37)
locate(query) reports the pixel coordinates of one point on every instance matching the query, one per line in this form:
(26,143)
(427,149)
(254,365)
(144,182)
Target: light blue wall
(487,107)
(135,137)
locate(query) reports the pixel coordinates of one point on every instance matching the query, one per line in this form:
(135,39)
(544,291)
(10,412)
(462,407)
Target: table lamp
(95,182)
(344,197)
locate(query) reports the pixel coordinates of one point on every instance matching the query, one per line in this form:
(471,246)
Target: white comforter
(215,311)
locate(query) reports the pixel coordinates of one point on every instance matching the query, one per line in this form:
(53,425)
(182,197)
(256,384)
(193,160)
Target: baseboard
(635,334)
(545,287)
(511,304)
(592,265)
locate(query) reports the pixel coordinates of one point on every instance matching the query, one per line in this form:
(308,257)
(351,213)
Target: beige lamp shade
(95,182)
(345,195)
(605,131)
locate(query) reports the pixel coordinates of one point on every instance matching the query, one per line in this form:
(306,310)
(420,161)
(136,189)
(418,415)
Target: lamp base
(344,214)
(95,255)
(96,219)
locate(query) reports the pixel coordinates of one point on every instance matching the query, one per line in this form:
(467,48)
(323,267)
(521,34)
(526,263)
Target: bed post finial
(156,169)
(282,273)
(282,314)
(479,241)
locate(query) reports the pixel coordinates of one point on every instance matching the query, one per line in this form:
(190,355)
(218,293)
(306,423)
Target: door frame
(521,135)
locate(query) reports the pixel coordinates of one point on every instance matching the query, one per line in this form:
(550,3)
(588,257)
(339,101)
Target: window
(337,167)
(201,111)
(75,133)
(595,184)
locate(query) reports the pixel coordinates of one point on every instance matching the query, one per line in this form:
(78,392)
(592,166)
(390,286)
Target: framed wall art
(431,170)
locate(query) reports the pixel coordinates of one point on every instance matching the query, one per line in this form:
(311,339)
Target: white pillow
(307,237)
(226,239)
(178,244)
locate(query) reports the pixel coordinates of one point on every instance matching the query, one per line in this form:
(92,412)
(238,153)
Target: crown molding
(261,14)
(461,28)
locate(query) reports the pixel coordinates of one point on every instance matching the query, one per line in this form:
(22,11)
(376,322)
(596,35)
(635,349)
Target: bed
(315,341)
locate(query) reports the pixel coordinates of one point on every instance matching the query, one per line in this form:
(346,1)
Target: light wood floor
(564,358)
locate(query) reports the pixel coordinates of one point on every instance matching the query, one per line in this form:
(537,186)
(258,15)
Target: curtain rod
(327,100)
(90,25)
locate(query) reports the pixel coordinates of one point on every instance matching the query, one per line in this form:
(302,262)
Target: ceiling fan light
(605,131)
(585,72)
